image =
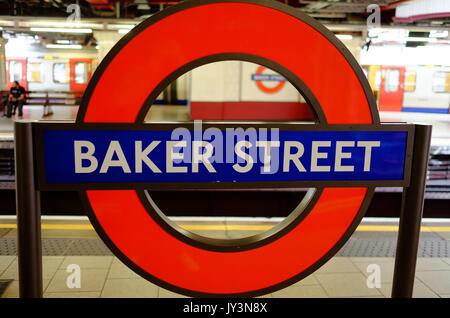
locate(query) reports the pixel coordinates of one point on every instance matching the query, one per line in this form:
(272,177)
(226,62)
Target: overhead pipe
(395,4)
(98,6)
(101,4)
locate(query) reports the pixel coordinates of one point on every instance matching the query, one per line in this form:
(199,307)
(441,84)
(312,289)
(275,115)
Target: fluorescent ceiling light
(374,32)
(63,41)
(439,34)
(344,36)
(121,26)
(123,31)
(61,30)
(386,35)
(419,39)
(59,24)
(62,46)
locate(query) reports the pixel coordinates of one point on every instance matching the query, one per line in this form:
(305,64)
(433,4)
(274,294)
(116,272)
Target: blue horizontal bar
(426,110)
(182,102)
(106,156)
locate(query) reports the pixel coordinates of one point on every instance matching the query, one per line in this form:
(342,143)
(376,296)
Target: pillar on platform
(3,86)
(354,45)
(105,41)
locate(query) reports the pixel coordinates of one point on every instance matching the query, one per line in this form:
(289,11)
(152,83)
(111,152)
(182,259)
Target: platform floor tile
(372,260)
(4,232)
(308,280)
(431,264)
(438,281)
(446,259)
(50,265)
(66,233)
(85,262)
(5,261)
(132,287)
(420,290)
(338,265)
(164,293)
(386,269)
(107,276)
(346,285)
(310,291)
(92,280)
(73,295)
(13,289)
(120,270)
(444,235)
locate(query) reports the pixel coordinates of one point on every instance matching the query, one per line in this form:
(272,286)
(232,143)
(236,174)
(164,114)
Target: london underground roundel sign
(259,78)
(111,156)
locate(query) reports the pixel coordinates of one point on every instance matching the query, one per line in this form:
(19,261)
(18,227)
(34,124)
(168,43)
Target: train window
(15,71)
(61,73)
(35,72)
(377,79)
(441,82)
(392,80)
(81,72)
(410,81)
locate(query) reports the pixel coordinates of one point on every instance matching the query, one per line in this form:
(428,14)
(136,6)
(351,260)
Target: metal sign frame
(99,97)
(39,128)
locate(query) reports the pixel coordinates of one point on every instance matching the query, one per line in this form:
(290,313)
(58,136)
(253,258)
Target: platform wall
(231,90)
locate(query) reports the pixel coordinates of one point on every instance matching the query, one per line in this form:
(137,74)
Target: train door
(392,88)
(16,70)
(80,73)
(37,71)
(60,71)
(440,86)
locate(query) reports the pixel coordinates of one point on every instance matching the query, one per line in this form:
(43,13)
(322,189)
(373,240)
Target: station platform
(157,113)
(72,240)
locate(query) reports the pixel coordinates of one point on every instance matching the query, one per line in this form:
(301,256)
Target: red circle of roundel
(265,89)
(150,55)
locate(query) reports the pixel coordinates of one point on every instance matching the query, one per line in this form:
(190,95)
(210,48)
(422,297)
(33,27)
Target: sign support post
(28,214)
(411,216)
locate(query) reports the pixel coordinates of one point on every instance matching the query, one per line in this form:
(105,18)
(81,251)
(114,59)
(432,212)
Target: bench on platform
(46,99)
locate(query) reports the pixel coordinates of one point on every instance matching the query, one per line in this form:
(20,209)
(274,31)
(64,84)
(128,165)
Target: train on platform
(245,91)
(51,70)
(422,89)
(262,94)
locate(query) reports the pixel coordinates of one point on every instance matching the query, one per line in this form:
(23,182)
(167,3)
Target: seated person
(16,99)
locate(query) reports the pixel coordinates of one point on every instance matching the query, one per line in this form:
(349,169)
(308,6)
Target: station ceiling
(329,11)
(349,17)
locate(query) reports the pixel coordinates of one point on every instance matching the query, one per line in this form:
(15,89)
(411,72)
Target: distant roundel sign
(259,78)
(112,157)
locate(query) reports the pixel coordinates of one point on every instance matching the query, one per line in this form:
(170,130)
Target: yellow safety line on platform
(222,227)
(233,227)
(54,226)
